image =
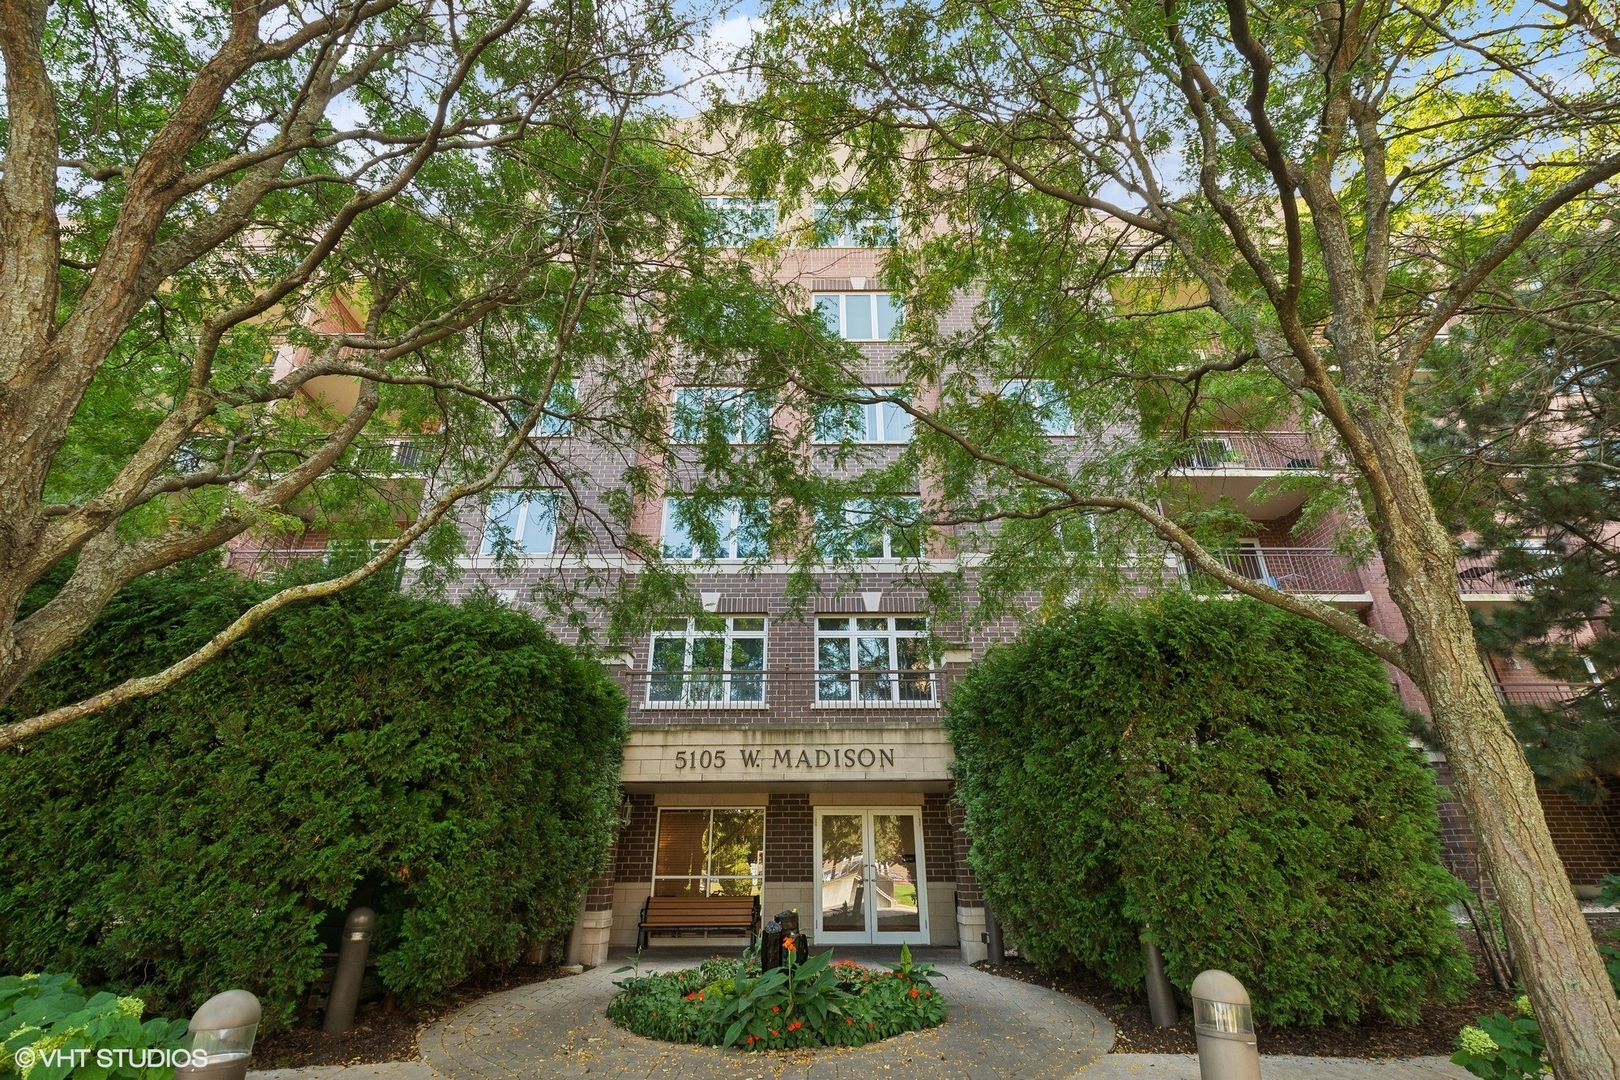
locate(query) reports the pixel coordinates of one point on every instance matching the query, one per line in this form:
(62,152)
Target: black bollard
(994,949)
(1160,994)
(770,946)
(351,969)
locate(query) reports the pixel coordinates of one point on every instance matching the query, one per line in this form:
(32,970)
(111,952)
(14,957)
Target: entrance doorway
(870,884)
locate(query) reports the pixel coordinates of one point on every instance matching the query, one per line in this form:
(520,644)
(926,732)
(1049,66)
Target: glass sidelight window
(710,852)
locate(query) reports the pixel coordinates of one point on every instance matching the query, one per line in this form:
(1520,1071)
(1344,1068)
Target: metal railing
(909,688)
(1250,450)
(403,455)
(1543,693)
(1477,575)
(1313,571)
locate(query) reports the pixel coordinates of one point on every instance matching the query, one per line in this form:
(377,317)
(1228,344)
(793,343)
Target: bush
(454,767)
(1234,779)
(49,1029)
(815,1003)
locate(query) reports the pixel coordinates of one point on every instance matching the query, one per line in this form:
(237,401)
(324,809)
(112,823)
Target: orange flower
(849,1020)
(913,991)
(700,995)
(789,944)
(689,997)
(776,1008)
(774,1033)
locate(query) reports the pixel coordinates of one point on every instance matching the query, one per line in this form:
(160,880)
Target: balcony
(1319,572)
(776,688)
(1482,584)
(1538,693)
(1233,464)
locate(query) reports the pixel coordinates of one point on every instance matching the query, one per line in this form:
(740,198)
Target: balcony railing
(405,455)
(1311,571)
(1532,693)
(910,688)
(1477,575)
(1247,450)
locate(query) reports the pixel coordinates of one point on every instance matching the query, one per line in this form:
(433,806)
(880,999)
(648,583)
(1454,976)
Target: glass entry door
(869,877)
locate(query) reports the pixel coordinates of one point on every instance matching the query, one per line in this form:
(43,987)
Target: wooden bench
(674,914)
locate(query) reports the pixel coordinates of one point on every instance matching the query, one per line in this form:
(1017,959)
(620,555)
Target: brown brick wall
(1587,838)
(968,894)
(599,897)
(634,860)
(789,839)
(939,846)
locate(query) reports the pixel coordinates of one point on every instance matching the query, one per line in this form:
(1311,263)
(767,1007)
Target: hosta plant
(50,1030)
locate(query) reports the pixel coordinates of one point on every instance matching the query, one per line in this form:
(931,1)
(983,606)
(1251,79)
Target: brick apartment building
(800,755)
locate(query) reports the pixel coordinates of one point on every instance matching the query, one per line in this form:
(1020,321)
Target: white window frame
(867,687)
(1041,395)
(757,877)
(843,301)
(881,422)
(709,688)
(521,504)
(851,234)
(753,413)
(742,220)
(728,525)
(858,509)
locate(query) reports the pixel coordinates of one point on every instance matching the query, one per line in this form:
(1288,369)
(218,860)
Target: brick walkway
(997,1028)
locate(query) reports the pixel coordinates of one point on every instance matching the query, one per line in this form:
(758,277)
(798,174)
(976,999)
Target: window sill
(690,705)
(864,704)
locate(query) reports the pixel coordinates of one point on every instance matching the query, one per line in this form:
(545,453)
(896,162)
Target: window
(866,529)
(741,221)
(708,661)
(521,522)
(561,405)
(873,660)
(709,852)
(874,422)
(860,316)
(729,529)
(837,225)
(1042,398)
(743,415)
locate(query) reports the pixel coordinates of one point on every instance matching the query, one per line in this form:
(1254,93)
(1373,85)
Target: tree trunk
(1558,960)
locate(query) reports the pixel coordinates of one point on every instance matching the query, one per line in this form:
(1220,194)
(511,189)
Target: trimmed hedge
(455,767)
(1232,777)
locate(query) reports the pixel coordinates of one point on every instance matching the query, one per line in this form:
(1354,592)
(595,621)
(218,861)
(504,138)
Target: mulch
(1434,1034)
(382,1033)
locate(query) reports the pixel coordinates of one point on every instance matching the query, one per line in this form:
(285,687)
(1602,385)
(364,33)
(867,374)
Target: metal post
(995,950)
(1160,994)
(222,1034)
(1224,1023)
(351,969)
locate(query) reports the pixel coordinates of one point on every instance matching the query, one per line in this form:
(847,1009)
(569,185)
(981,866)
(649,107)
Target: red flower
(849,1020)
(689,997)
(700,995)
(774,1032)
(776,1008)
(913,991)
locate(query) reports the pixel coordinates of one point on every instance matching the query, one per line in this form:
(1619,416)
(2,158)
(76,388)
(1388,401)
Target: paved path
(997,1029)
(1276,1067)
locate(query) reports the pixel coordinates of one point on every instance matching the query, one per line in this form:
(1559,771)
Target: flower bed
(724,1002)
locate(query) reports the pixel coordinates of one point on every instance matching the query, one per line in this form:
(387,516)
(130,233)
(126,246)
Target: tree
(1518,427)
(448,208)
(1171,209)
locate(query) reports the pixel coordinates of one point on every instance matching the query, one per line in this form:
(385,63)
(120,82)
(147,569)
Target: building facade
(791,746)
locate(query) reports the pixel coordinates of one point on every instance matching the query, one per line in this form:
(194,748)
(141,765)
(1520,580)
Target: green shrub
(1236,780)
(815,1003)
(454,767)
(49,1029)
